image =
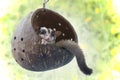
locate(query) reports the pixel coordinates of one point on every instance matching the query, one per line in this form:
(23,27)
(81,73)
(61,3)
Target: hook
(44,3)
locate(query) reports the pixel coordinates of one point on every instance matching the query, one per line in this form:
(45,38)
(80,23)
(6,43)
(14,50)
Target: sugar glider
(49,35)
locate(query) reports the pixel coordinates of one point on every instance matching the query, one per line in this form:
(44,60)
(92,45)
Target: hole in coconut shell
(54,29)
(71,39)
(14,49)
(21,39)
(59,24)
(22,59)
(15,38)
(63,34)
(23,50)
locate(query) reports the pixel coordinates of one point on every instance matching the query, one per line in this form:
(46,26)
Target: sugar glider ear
(58,33)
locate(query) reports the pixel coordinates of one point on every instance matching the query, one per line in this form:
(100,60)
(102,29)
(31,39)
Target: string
(44,3)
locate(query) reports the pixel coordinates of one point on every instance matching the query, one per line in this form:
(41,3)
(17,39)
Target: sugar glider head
(49,34)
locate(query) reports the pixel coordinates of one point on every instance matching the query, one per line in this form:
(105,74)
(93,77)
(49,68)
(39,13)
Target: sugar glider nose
(42,31)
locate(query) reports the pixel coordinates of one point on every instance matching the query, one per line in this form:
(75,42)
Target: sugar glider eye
(53,33)
(50,30)
(42,31)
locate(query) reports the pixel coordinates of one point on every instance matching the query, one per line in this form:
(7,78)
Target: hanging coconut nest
(26,42)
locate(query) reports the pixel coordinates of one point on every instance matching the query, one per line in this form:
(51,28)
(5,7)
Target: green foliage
(99,23)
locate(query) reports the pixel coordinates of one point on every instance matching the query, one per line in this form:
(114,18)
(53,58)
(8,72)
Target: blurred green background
(97,23)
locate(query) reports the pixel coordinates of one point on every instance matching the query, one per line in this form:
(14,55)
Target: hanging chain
(44,3)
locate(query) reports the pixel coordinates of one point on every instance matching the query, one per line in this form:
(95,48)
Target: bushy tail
(73,47)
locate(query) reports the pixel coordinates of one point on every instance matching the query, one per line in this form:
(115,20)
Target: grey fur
(74,48)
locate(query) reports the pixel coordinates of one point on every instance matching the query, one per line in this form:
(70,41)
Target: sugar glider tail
(73,47)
